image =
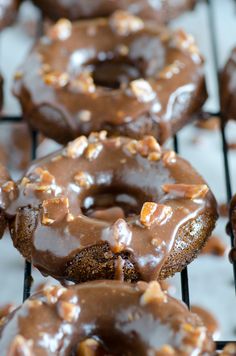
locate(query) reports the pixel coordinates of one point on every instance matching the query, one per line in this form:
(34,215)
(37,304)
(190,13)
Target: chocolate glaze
(228,87)
(7,193)
(160,11)
(118,74)
(208,320)
(122,319)
(8,10)
(98,174)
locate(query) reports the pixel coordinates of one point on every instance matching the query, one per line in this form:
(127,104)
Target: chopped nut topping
(8,186)
(18,75)
(54,210)
(166,350)
(170,70)
(68,311)
(142,90)
(147,147)
(24,181)
(33,303)
(83,179)
(194,336)
(77,147)
(20,346)
(70,217)
(88,347)
(97,136)
(119,236)
(56,79)
(61,30)
(84,115)
(189,191)
(155,213)
(169,157)
(123,23)
(153,293)
(52,293)
(93,150)
(43,176)
(83,83)
(185,41)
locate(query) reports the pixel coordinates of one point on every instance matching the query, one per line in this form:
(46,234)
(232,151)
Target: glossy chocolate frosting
(158,10)
(228,87)
(126,195)
(104,318)
(119,74)
(8,10)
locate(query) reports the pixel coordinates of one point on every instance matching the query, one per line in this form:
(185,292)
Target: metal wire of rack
(228,187)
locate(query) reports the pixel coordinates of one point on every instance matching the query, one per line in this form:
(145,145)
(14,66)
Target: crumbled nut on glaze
(24,181)
(97,136)
(77,147)
(70,217)
(83,83)
(147,147)
(142,90)
(43,176)
(153,293)
(54,210)
(33,303)
(229,350)
(165,350)
(9,186)
(118,236)
(20,346)
(169,157)
(61,30)
(189,191)
(56,79)
(68,311)
(84,115)
(193,337)
(185,41)
(123,23)
(88,347)
(170,70)
(153,213)
(93,150)
(83,179)
(18,75)
(53,293)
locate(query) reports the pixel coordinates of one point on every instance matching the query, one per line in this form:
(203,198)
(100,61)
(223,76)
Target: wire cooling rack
(228,187)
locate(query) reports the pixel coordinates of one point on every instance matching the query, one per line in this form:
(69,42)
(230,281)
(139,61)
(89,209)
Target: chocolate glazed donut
(7,193)
(228,88)
(119,74)
(104,318)
(8,10)
(160,11)
(111,208)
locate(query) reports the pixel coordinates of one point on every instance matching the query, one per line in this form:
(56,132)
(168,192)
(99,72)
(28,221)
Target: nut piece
(185,41)
(88,347)
(169,157)
(43,176)
(68,311)
(53,293)
(155,213)
(170,70)
(147,147)
(123,23)
(188,191)
(54,210)
(83,180)
(142,90)
(61,30)
(97,136)
(153,293)
(83,83)
(93,150)
(56,79)
(77,147)
(166,350)
(118,236)
(20,347)
(193,337)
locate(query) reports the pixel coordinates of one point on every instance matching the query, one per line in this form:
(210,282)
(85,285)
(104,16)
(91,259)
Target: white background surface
(211,278)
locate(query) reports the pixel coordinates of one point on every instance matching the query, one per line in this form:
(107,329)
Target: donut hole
(112,203)
(113,74)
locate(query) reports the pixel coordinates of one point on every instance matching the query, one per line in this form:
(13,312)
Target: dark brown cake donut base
(8,10)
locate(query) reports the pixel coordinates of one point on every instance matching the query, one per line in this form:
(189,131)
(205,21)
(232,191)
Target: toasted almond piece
(165,350)
(56,79)
(61,30)
(54,210)
(123,23)
(68,311)
(93,150)
(153,293)
(169,157)
(53,293)
(88,347)
(142,90)
(83,179)
(118,236)
(9,186)
(189,191)
(44,176)
(77,147)
(155,213)
(83,83)
(97,136)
